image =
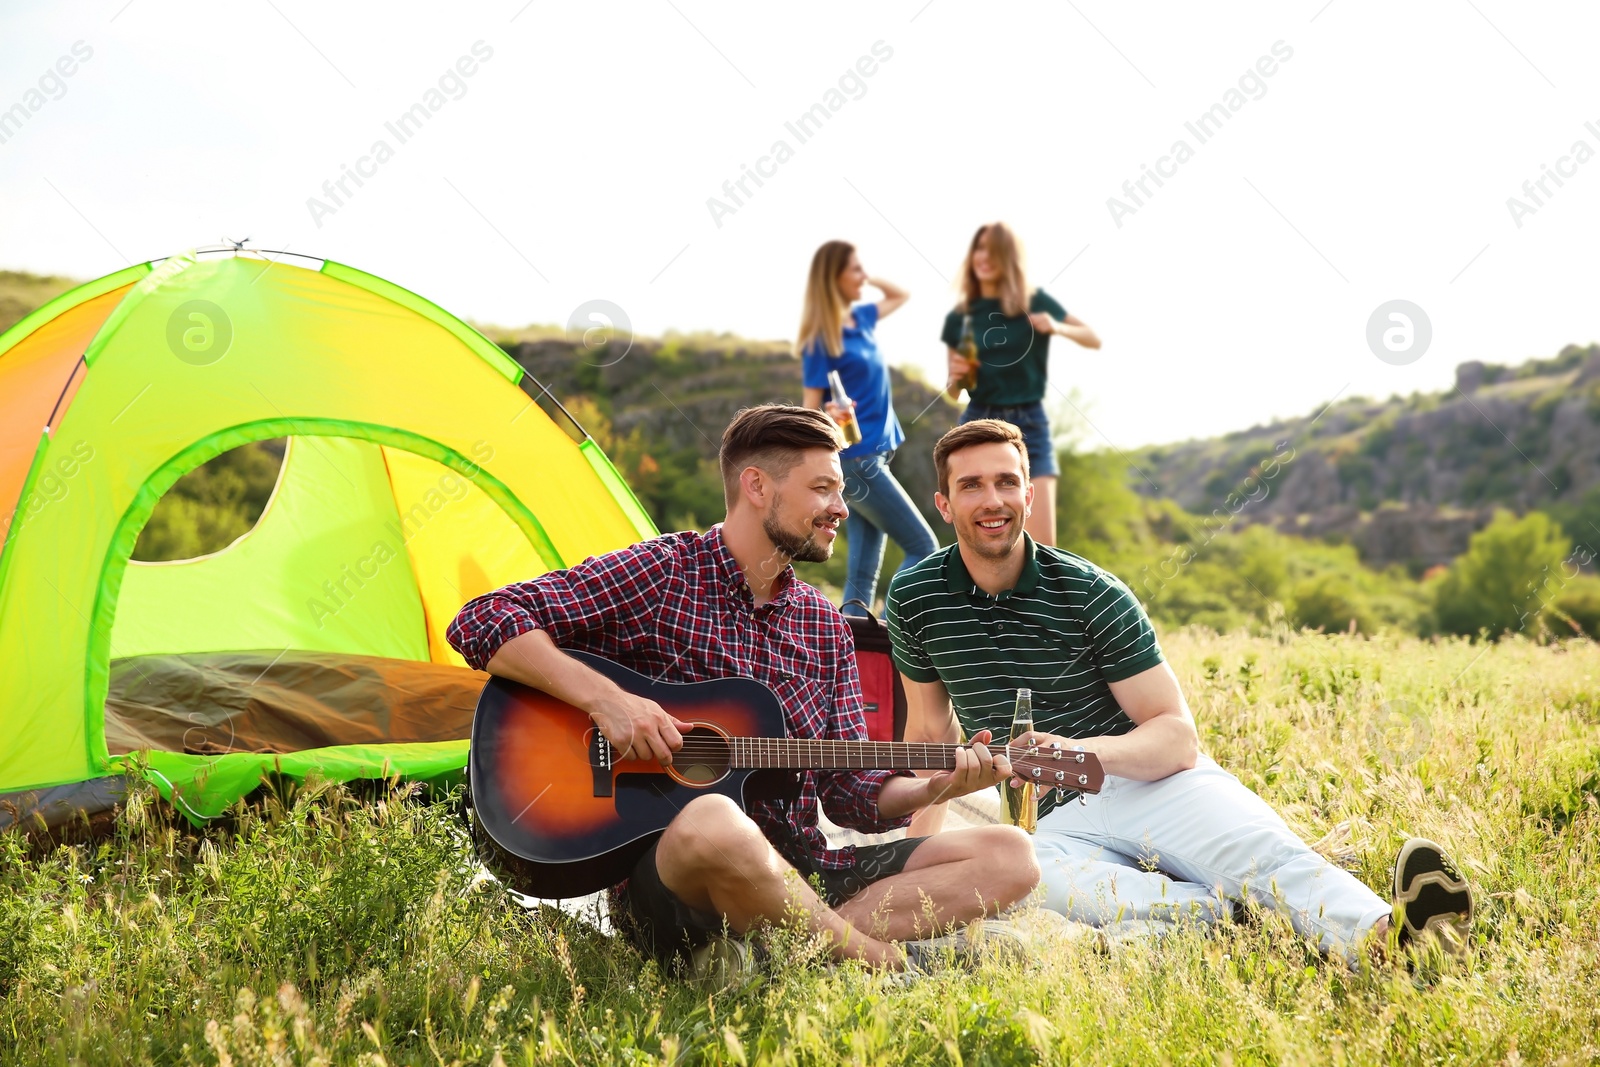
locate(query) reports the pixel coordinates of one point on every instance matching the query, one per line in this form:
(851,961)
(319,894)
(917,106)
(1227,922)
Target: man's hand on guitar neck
(637,727)
(976,768)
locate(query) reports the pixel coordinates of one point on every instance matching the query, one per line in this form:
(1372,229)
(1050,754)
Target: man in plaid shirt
(688,607)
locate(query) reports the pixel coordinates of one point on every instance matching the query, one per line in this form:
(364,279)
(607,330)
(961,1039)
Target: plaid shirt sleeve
(850,798)
(616,593)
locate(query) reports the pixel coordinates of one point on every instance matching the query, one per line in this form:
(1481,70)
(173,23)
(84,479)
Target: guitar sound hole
(703,759)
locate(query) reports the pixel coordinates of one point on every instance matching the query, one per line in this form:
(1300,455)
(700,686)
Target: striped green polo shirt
(1065,631)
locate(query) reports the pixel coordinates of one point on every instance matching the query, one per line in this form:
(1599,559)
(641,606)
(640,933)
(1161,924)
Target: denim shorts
(1035,427)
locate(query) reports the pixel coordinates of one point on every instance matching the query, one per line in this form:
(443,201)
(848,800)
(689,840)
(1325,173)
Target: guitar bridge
(600,755)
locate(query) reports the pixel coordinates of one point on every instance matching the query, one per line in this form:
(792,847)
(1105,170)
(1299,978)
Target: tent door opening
(324,624)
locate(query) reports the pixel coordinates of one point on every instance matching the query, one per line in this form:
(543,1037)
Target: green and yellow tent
(422,468)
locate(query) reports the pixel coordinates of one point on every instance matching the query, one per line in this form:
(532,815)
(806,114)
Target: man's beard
(800,549)
(988,550)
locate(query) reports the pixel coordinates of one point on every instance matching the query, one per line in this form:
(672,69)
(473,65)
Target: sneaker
(1430,896)
(723,962)
(1129,932)
(966,948)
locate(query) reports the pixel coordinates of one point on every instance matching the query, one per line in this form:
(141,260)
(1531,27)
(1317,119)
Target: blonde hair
(1005,252)
(822,319)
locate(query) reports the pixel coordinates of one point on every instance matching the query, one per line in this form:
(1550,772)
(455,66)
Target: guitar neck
(794,753)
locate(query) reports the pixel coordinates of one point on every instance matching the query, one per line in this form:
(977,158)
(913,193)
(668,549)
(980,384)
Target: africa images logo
(199,332)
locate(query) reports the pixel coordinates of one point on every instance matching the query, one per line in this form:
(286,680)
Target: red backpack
(881,687)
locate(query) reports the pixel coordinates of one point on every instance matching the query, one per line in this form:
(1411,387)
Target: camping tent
(423,467)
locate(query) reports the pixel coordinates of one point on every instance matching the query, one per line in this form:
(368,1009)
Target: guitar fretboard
(813,754)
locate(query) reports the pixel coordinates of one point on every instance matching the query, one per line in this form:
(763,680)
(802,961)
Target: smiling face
(804,508)
(994,268)
(851,280)
(989,498)
(984,263)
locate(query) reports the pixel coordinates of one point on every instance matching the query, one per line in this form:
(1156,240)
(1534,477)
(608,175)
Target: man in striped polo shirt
(1171,833)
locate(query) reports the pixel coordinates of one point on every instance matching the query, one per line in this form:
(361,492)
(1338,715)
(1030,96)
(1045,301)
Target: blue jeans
(879,508)
(1215,839)
(1035,427)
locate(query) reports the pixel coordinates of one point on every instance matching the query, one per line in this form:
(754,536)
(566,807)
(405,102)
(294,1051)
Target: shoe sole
(1428,886)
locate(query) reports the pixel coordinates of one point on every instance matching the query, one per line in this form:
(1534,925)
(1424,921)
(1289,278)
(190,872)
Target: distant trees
(1331,601)
(1577,608)
(1508,580)
(1097,514)
(213,504)
(1227,570)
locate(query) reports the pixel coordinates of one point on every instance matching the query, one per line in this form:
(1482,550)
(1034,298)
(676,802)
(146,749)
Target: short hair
(773,437)
(976,432)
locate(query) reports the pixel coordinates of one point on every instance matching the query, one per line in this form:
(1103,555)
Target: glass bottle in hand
(847,409)
(967,349)
(1021,802)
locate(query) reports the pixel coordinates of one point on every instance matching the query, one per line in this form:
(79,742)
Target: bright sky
(575,162)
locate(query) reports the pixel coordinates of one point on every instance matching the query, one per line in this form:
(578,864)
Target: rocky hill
(1409,479)
(1406,480)
(663,404)
(21,292)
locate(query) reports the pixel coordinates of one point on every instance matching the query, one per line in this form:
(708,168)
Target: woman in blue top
(836,336)
(1012,325)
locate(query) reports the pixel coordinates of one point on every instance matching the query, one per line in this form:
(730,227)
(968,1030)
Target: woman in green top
(1010,326)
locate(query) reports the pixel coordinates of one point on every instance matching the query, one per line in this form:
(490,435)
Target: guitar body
(564,814)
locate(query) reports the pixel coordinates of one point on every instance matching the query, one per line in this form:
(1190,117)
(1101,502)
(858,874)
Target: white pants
(1189,845)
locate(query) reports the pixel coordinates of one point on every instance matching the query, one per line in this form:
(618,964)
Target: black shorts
(661,925)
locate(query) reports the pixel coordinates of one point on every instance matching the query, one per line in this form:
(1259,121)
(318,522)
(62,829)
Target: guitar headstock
(1054,767)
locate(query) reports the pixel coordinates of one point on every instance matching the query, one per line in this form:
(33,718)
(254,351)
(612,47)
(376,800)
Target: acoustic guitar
(566,815)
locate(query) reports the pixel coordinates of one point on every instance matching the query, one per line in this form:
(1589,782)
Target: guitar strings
(904,746)
(908,747)
(799,747)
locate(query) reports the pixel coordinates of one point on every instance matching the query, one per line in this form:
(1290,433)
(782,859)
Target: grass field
(323,930)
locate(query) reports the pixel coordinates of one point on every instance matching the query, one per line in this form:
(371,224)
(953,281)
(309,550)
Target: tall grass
(326,929)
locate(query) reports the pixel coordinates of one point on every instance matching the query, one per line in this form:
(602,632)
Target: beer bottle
(1021,802)
(967,347)
(847,419)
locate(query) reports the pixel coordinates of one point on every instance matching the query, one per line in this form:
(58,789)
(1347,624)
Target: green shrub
(1578,605)
(1097,515)
(1330,601)
(209,507)
(1498,585)
(1241,577)
(1580,519)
